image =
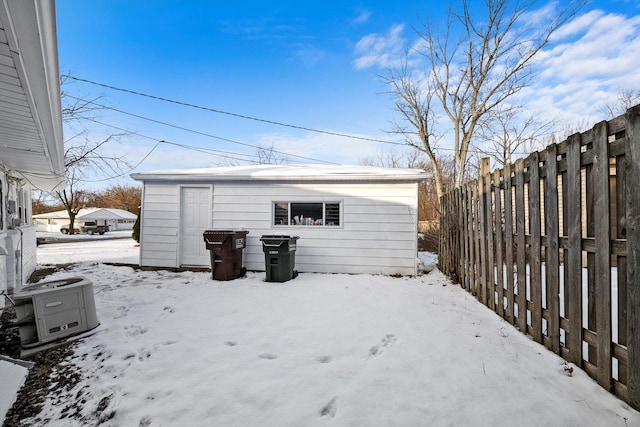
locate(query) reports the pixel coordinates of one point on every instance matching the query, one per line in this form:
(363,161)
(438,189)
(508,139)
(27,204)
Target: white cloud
(381,50)
(593,58)
(309,55)
(362,17)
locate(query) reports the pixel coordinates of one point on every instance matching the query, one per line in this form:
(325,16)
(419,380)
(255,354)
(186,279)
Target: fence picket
(602,236)
(621,261)
(508,240)
(535,284)
(632,165)
(573,250)
(499,261)
(476,241)
(490,287)
(482,226)
(552,250)
(521,258)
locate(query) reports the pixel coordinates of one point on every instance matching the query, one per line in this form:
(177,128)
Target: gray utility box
(52,310)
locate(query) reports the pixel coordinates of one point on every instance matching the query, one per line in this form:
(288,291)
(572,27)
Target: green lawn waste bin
(225,249)
(279,257)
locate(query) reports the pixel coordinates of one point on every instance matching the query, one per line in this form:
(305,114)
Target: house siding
(378,232)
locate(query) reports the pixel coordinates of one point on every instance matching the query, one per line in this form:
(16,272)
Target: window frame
(324,204)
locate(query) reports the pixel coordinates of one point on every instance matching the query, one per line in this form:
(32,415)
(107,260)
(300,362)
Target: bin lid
(225,231)
(279,237)
(218,232)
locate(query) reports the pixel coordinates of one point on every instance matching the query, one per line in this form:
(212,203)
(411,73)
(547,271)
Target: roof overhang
(31,141)
(287,174)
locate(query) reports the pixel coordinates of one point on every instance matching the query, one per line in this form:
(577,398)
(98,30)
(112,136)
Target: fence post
(632,164)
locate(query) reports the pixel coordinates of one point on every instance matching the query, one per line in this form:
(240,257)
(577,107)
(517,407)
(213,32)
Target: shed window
(318,214)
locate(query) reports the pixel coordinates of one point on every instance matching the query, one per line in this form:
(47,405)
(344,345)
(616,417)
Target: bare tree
(270,156)
(469,76)
(413,97)
(119,197)
(508,136)
(626,99)
(84,152)
(428,198)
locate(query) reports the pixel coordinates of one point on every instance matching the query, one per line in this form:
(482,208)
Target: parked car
(89,227)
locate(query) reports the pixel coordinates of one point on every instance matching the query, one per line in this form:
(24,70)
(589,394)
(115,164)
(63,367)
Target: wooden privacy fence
(552,244)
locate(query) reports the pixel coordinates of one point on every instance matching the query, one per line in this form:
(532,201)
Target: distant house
(116,219)
(350,219)
(31,143)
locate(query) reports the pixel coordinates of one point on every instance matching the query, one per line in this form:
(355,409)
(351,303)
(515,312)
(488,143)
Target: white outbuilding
(349,219)
(116,219)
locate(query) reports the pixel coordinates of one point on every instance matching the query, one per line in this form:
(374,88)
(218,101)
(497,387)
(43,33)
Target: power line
(226,154)
(242,116)
(197,132)
(161,141)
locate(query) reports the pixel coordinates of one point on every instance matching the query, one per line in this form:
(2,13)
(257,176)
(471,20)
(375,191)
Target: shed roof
(290,173)
(90,213)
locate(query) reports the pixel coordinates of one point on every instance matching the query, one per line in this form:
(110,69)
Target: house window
(312,214)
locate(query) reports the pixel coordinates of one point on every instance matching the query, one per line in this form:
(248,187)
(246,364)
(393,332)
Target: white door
(195,218)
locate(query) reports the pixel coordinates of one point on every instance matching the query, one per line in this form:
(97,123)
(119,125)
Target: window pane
(306,213)
(281,214)
(332,214)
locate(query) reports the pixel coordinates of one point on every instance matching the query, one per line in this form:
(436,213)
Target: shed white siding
(377,232)
(159,225)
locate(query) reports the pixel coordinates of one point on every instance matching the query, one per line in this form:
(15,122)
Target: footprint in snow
(323,359)
(122,312)
(135,330)
(387,341)
(231,343)
(267,356)
(330,408)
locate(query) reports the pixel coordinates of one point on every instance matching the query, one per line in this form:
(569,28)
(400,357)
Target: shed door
(195,217)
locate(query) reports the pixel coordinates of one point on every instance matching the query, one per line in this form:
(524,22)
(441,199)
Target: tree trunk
(72,221)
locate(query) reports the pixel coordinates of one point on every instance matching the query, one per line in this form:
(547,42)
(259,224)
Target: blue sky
(309,64)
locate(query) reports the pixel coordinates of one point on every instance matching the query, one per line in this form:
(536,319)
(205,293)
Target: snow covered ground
(322,349)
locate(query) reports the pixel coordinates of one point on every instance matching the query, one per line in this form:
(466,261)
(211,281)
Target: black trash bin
(225,249)
(279,257)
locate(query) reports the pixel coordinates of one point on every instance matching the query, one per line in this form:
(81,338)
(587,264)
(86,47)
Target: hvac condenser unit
(48,311)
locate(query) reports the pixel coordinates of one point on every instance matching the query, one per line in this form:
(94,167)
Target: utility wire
(197,132)
(221,153)
(161,141)
(242,116)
